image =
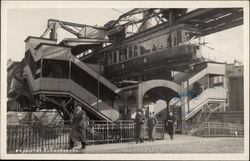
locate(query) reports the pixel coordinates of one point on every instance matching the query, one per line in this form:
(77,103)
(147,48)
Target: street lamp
(99,62)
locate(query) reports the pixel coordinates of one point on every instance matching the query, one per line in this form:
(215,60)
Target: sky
(22,23)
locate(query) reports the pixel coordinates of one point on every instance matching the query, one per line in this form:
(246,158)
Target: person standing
(171,121)
(79,127)
(152,123)
(139,122)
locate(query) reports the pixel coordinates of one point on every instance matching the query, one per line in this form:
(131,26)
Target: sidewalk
(180,144)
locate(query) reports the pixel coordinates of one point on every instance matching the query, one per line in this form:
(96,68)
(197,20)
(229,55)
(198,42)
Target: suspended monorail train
(156,46)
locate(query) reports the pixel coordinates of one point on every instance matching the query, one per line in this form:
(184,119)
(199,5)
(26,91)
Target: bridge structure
(113,72)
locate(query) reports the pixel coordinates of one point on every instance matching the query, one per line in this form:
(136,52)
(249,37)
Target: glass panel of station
(55,68)
(61,69)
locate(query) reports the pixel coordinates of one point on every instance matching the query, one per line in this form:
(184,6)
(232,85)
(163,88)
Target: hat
(139,110)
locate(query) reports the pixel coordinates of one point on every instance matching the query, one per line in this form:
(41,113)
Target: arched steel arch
(143,87)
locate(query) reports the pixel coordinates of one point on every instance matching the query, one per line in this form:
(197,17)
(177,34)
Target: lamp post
(100,61)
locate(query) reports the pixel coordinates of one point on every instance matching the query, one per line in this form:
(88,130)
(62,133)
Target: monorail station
(113,72)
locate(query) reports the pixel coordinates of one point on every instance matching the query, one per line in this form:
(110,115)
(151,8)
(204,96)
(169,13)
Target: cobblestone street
(181,144)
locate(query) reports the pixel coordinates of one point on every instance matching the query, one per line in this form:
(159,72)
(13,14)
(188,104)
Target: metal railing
(219,129)
(41,137)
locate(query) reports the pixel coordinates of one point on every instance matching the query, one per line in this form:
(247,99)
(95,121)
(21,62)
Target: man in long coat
(171,121)
(79,127)
(139,122)
(152,123)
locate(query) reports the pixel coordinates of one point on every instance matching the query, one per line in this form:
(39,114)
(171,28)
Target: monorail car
(160,45)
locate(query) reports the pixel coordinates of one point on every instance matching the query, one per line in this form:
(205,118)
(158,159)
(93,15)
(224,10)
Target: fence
(40,137)
(218,129)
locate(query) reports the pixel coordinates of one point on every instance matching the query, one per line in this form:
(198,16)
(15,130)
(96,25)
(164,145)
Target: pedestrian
(152,123)
(79,127)
(171,121)
(139,122)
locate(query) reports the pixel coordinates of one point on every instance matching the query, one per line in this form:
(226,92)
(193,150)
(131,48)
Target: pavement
(180,144)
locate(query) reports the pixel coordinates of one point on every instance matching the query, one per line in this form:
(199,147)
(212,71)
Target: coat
(139,122)
(152,123)
(171,124)
(79,127)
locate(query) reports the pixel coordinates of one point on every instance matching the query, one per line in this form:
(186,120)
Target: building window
(55,68)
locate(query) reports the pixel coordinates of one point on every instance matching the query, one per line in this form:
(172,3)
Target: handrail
(201,100)
(101,78)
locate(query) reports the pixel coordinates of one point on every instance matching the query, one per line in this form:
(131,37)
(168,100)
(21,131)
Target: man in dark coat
(152,123)
(79,127)
(139,122)
(171,121)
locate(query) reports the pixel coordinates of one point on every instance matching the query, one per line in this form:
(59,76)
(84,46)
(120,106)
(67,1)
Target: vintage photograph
(124,80)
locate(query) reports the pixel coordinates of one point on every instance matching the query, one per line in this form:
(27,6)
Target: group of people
(151,124)
(80,123)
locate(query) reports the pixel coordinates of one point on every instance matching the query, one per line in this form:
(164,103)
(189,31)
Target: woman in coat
(152,123)
(79,127)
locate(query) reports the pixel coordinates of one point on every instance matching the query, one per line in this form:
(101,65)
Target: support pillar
(53,33)
(139,96)
(125,104)
(184,99)
(139,93)
(167,110)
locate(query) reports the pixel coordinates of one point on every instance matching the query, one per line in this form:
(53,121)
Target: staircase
(210,95)
(48,86)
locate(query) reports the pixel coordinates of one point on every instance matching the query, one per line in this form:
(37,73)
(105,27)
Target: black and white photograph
(125,80)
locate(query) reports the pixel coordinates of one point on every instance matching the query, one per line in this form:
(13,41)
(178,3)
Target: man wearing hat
(79,127)
(139,122)
(171,122)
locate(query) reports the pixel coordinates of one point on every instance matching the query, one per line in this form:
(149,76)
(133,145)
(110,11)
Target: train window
(55,68)
(186,37)
(135,51)
(145,47)
(142,50)
(115,57)
(162,42)
(154,44)
(123,54)
(168,39)
(179,37)
(108,56)
(174,36)
(111,57)
(130,52)
(190,35)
